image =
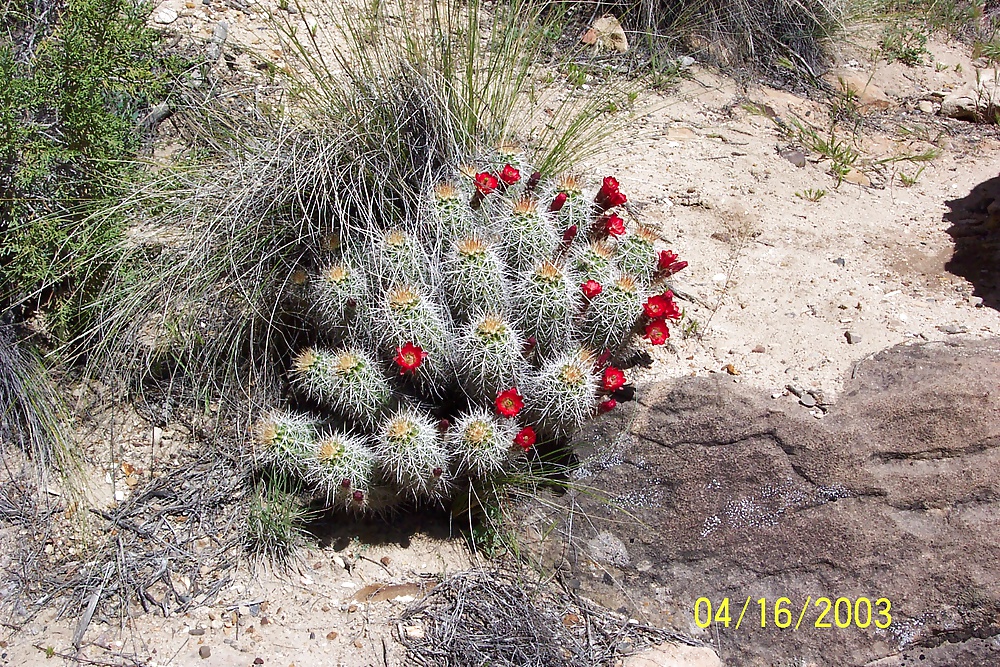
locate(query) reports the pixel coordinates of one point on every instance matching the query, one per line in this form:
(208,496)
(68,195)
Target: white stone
(165,16)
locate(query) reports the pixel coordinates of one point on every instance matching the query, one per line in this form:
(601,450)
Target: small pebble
(976,301)
(413,632)
(352,608)
(385,560)
(258,661)
(807,400)
(852,338)
(952,329)
(839,261)
(759,349)
(312,635)
(331,635)
(204,652)
(196,632)
(776,394)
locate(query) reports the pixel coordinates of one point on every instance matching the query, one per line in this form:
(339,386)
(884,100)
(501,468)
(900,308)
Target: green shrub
(71,96)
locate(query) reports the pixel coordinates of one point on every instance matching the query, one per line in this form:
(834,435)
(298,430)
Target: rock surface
(895,494)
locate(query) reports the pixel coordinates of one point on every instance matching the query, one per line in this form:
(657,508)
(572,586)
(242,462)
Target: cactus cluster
(446,345)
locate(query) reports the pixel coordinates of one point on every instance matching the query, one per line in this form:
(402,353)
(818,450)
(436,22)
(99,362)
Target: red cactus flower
(486,183)
(409,357)
(614,225)
(602,360)
(570,234)
(672,311)
(509,402)
(613,378)
(591,288)
(657,332)
(525,438)
(609,196)
(668,264)
(607,406)
(509,175)
(656,307)
(558,202)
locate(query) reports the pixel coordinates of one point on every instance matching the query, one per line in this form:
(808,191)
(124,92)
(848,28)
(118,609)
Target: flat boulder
(708,490)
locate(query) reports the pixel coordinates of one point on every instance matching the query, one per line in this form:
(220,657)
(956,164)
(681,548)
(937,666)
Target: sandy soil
(777,281)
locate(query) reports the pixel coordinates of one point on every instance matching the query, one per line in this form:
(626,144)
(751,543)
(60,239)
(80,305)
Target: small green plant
(813,195)
(276,516)
(905,44)
(909,181)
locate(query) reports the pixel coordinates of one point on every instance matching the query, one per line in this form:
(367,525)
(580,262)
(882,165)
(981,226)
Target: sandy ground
(777,282)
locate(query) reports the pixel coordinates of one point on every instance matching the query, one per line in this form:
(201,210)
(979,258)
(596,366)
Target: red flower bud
(437,472)
(570,234)
(591,288)
(558,202)
(444,425)
(533,181)
(603,359)
(529,344)
(358,496)
(607,406)
(509,175)
(345,483)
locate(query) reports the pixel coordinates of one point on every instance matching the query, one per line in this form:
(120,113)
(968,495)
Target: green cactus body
(451,212)
(489,354)
(594,261)
(482,444)
(578,207)
(412,455)
(286,440)
(562,396)
(637,255)
(610,317)
(339,466)
(527,236)
(473,276)
(348,381)
(340,301)
(408,315)
(402,260)
(546,301)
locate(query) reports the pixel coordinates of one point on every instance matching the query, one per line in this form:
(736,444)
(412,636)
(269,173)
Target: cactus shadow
(975,228)
(339,530)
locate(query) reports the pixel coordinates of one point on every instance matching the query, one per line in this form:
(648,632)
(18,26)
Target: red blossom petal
(591,288)
(607,406)
(409,357)
(657,332)
(486,182)
(655,307)
(525,438)
(510,175)
(509,402)
(613,378)
(614,225)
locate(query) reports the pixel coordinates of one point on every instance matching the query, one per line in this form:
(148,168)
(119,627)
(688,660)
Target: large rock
(716,491)
(979,102)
